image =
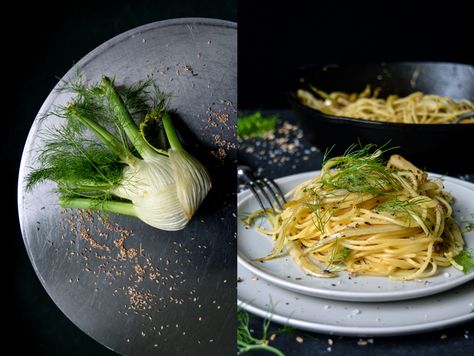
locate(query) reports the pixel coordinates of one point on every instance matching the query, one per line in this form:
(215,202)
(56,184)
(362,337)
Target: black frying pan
(443,148)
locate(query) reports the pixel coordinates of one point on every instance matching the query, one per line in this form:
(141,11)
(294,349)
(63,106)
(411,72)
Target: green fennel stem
(105,136)
(259,347)
(91,204)
(90,186)
(125,119)
(171,133)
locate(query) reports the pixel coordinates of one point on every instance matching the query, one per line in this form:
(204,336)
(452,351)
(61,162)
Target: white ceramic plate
(304,312)
(285,273)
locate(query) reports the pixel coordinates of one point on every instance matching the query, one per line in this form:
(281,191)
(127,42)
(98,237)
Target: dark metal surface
(192,302)
(429,145)
(270,160)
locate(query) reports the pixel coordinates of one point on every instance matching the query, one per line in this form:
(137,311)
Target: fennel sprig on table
(142,171)
(246,342)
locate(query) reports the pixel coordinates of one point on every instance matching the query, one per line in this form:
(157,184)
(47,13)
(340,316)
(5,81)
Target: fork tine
(264,190)
(251,186)
(267,187)
(277,191)
(261,185)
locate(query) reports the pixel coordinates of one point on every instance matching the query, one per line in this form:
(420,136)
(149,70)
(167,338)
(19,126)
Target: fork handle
(245,173)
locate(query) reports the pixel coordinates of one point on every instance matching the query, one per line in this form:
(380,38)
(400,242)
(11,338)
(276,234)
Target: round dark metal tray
(133,288)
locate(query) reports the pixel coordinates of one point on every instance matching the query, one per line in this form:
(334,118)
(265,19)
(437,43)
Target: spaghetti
(364,217)
(415,108)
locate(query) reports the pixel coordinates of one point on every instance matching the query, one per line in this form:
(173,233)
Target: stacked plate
(345,305)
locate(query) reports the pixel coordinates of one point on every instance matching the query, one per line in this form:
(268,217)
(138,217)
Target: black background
(43,40)
(277,37)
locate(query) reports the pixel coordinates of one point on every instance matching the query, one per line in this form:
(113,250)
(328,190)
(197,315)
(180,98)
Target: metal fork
(263,189)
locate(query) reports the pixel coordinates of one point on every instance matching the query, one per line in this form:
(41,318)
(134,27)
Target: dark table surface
(53,38)
(295,154)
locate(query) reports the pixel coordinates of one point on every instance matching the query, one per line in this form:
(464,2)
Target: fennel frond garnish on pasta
(367,217)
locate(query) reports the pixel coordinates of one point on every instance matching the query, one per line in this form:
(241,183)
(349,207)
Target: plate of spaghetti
(362,229)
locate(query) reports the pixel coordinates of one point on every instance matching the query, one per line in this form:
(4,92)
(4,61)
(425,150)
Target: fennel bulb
(159,183)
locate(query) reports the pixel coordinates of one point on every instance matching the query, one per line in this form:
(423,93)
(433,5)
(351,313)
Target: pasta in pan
(415,108)
(364,217)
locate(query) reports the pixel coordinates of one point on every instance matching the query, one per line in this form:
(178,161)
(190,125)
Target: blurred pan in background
(442,148)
